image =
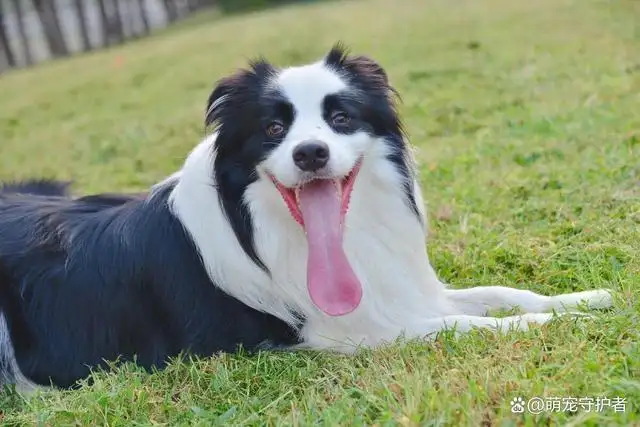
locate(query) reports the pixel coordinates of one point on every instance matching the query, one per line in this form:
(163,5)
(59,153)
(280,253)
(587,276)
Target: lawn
(526,121)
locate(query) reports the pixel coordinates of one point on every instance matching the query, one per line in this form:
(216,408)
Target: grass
(526,122)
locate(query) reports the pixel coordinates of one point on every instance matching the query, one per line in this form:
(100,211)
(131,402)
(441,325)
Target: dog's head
(307,130)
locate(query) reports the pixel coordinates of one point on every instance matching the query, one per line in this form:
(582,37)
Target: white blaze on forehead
(305,87)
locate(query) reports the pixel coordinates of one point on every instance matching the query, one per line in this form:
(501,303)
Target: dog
(297,223)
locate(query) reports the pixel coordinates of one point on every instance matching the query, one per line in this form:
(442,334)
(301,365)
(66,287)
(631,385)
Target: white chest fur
(384,242)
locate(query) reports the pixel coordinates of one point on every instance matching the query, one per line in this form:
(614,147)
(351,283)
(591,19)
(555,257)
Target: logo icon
(517,405)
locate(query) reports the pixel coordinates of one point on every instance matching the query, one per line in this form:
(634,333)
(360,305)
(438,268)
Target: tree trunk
(193,5)
(172,10)
(111,22)
(104,22)
(116,17)
(4,40)
(82,20)
(135,24)
(18,7)
(142,8)
(129,19)
(48,17)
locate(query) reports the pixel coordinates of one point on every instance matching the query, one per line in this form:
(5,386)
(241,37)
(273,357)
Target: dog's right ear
(244,84)
(218,97)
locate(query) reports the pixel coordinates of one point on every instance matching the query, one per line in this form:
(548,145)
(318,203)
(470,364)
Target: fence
(35,30)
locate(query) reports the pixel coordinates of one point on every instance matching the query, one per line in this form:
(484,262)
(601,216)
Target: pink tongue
(332,284)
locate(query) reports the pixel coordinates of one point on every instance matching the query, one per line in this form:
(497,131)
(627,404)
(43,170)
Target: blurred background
(32,31)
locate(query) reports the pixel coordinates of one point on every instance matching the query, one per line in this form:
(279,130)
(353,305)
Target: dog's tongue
(332,284)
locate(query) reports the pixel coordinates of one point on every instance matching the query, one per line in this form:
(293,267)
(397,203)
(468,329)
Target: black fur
(106,277)
(241,108)
(42,187)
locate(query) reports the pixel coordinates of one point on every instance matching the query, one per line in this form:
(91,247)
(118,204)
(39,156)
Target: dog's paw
(524,320)
(575,315)
(597,299)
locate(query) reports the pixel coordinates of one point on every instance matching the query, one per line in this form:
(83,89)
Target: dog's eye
(340,118)
(275,129)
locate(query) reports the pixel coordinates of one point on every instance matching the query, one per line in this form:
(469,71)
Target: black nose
(311,156)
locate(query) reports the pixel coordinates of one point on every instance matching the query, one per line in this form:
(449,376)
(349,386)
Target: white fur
(11,373)
(384,241)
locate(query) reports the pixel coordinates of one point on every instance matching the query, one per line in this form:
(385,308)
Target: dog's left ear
(366,67)
(361,66)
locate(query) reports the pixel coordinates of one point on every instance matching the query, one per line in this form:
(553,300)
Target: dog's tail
(41,187)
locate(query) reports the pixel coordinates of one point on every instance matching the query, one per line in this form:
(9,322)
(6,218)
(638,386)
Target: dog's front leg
(464,323)
(481,299)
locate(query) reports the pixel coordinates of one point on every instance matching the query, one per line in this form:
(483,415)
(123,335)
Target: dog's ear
(217,98)
(367,68)
(244,84)
(367,76)
(361,66)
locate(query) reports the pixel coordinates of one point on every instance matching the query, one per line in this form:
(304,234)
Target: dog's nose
(311,156)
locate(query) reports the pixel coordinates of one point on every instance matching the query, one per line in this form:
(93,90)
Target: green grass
(526,122)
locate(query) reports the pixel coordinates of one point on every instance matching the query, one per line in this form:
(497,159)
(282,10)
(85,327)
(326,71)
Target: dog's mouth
(320,206)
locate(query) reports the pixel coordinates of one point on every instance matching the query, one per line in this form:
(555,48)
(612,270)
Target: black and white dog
(298,223)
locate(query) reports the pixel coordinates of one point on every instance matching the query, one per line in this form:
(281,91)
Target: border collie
(297,223)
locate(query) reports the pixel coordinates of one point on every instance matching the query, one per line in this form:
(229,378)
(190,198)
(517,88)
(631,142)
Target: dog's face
(300,124)
(306,130)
